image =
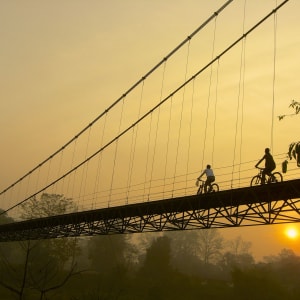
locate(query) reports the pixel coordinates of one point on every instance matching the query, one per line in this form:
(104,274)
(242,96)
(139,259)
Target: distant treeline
(195,264)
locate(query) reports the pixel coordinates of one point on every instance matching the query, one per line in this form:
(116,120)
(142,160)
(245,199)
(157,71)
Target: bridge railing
(227,177)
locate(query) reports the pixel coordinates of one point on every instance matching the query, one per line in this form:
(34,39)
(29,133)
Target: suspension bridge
(134,167)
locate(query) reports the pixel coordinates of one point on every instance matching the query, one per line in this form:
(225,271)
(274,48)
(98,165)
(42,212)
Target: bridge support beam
(252,206)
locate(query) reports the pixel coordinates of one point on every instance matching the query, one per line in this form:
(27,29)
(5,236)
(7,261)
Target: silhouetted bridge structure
(132,169)
(259,205)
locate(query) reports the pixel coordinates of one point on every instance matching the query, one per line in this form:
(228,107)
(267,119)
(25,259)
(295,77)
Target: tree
(294,148)
(114,261)
(44,265)
(107,253)
(196,252)
(257,282)
(51,205)
(238,246)
(110,260)
(211,245)
(158,257)
(287,265)
(184,251)
(8,254)
(238,255)
(156,275)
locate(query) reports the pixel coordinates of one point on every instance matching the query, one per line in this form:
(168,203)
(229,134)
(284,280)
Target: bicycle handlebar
(259,168)
(199,180)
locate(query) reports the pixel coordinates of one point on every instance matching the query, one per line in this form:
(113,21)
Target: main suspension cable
(124,95)
(154,108)
(274,76)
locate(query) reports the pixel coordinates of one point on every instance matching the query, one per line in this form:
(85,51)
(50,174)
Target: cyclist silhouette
(270,165)
(210,177)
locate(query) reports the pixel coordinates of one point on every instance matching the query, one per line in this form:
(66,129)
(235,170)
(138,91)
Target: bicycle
(211,189)
(257,179)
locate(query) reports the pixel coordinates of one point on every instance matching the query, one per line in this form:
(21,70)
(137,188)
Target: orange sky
(62,64)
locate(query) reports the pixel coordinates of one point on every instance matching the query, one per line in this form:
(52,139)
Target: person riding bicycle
(270,165)
(210,177)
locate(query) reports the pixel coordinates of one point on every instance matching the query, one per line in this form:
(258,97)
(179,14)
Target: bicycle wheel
(214,188)
(276,177)
(256,180)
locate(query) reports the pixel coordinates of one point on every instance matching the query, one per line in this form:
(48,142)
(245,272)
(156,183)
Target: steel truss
(261,205)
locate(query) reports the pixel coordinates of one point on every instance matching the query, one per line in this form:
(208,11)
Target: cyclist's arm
(259,162)
(201,175)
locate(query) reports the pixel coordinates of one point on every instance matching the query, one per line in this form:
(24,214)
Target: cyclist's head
(208,166)
(267,150)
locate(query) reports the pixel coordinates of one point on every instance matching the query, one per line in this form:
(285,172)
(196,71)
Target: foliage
(294,148)
(295,106)
(210,246)
(258,282)
(294,152)
(160,274)
(238,246)
(184,251)
(158,278)
(4,218)
(48,205)
(51,205)
(158,255)
(43,266)
(107,253)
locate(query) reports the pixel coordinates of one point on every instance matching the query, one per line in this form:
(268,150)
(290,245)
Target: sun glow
(292,232)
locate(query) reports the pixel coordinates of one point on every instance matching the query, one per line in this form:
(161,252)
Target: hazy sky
(64,62)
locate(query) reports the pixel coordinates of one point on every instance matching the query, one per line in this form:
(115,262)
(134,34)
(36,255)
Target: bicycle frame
(268,177)
(200,186)
(272,178)
(210,188)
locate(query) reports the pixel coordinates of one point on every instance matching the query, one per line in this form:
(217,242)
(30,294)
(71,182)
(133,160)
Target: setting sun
(292,232)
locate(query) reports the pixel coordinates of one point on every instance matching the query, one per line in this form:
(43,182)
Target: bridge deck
(179,212)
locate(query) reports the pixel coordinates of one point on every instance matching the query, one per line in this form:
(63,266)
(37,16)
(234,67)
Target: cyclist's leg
(263,175)
(212,179)
(208,182)
(267,171)
(272,178)
(209,188)
(205,185)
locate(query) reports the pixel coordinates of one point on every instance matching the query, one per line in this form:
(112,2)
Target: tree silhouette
(294,148)
(42,266)
(211,244)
